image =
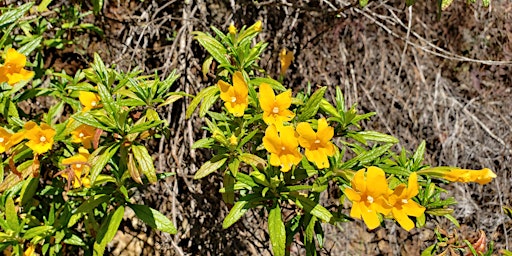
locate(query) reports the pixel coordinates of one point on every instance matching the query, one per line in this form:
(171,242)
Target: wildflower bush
(281,154)
(68,173)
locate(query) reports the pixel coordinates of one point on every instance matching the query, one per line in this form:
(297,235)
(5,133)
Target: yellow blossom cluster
(370,195)
(281,140)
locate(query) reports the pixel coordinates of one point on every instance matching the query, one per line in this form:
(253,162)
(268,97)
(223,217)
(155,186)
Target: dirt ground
(446,81)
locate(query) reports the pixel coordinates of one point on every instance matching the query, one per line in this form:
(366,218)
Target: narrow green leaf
(311,107)
(206,66)
(199,97)
(311,207)
(14,15)
(239,210)
(419,155)
(74,240)
(366,157)
(229,189)
(28,190)
(253,160)
(38,231)
(277,231)
(429,251)
(43,6)
(171,99)
(108,230)
(145,162)
(27,48)
(145,126)
(363,3)
(276,85)
(214,47)
(99,162)
(11,215)
(203,143)
(210,166)
(377,136)
(154,218)
(97,6)
(88,119)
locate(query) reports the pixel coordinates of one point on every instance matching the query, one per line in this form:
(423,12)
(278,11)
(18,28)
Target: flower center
(283,148)
(275,110)
(93,103)
(317,141)
(42,139)
(369,199)
(81,135)
(233,99)
(404,201)
(78,166)
(1,139)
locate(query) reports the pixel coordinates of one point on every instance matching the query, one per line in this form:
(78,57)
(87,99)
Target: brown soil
(446,81)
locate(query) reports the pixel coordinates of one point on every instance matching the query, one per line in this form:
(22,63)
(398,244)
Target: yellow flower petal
(370,217)
(376,177)
(402,219)
(352,195)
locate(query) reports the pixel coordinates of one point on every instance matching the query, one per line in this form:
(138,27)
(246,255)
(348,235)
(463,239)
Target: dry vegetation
(448,82)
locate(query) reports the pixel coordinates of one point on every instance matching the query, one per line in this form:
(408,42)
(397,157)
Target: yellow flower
(235,97)
(368,196)
(403,205)
(257,26)
(78,167)
(318,145)
(286,58)
(283,147)
(83,134)
(40,137)
(275,108)
(12,70)
(8,140)
(90,100)
(232,29)
(233,140)
(482,177)
(30,251)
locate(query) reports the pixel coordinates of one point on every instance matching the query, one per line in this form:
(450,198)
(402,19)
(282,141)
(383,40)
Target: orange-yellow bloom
(40,138)
(482,177)
(83,134)
(275,108)
(282,146)
(89,100)
(232,29)
(12,70)
(403,205)
(258,25)
(318,145)
(30,251)
(235,97)
(368,196)
(286,58)
(78,164)
(8,140)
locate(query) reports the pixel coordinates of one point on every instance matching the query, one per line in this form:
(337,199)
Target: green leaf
(99,162)
(74,240)
(14,15)
(239,210)
(145,162)
(145,126)
(43,6)
(30,46)
(210,166)
(208,92)
(277,231)
(108,230)
(28,190)
(276,85)
(171,99)
(154,218)
(206,66)
(214,47)
(311,207)
(377,136)
(366,157)
(11,215)
(311,107)
(97,6)
(419,155)
(88,119)
(38,231)
(429,251)
(363,3)
(253,160)
(203,143)
(228,195)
